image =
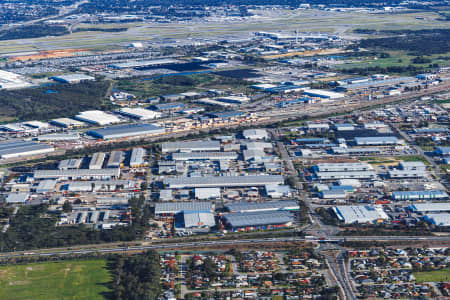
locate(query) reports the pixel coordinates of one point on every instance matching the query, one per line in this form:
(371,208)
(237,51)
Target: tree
(67,206)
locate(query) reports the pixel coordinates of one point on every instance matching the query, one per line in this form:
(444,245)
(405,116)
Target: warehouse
(72,78)
(15,149)
(346,175)
(46,186)
(142,63)
(97,117)
(140,113)
(10,80)
(100,185)
(341,167)
(412,166)
(207,193)
(137,157)
(355,150)
(419,195)
(172,208)
(438,219)
(124,131)
(17,198)
(360,214)
(115,159)
(423,208)
(322,94)
(72,163)
(277,191)
(406,174)
(241,207)
(59,137)
(67,123)
(97,160)
(196,221)
(333,194)
(167,107)
(442,151)
(225,115)
(215,156)
(377,140)
(190,146)
(222,181)
(102,174)
(234,99)
(255,134)
(257,220)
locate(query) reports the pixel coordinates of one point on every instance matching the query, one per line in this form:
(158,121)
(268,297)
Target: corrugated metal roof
(258,218)
(212,181)
(269,205)
(176,207)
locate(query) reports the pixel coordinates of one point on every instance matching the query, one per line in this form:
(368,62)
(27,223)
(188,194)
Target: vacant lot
(55,280)
(433,276)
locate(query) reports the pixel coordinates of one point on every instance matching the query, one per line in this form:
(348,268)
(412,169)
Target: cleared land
(87,279)
(433,276)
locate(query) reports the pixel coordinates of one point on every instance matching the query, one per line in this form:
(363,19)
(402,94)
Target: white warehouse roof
(97,117)
(140,113)
(360,213)
(223,181)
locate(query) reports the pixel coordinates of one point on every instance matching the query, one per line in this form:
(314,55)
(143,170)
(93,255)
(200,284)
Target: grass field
(433,276)
(55,280)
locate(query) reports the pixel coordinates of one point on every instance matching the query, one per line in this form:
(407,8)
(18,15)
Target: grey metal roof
(360,213)
(126,131)
(210,155)
(43,174)
(46,185)
(216,181)
(176,207)
(376,140)
(419,194)
(137,156)
(191,146)
(269,205)
(198,219)
(17,147)
(17,197)
(432,207)
(331,167)
(258,218)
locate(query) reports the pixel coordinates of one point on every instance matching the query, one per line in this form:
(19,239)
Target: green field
(433,276)
(86,279)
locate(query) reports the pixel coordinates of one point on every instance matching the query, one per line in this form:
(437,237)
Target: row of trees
(137,277)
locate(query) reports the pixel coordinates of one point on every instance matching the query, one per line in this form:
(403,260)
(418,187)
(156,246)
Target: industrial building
(59,137)
(207,193)
(257,220)
(360,214)
(190,146)
(346,175)
(322,94)
(115,159)
(438,219)
(15,149)
(419,195)
(124,131)
(286,205)
(72,78)
(97,160)
(184,156)
(333,194)
(10,80)
(377,140)
(406,174)
(172,208)
(67,123)
(102,174)
(17,198)
(100,185)
(142,63)
(340,167)
(255,134)
(140,113)
(196,221)
(222,181)
(137,157)
(424,208)
(442,151)
(277,190)
(46,186)
(412,166)
(72,163)
(355,150)
(97,117)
